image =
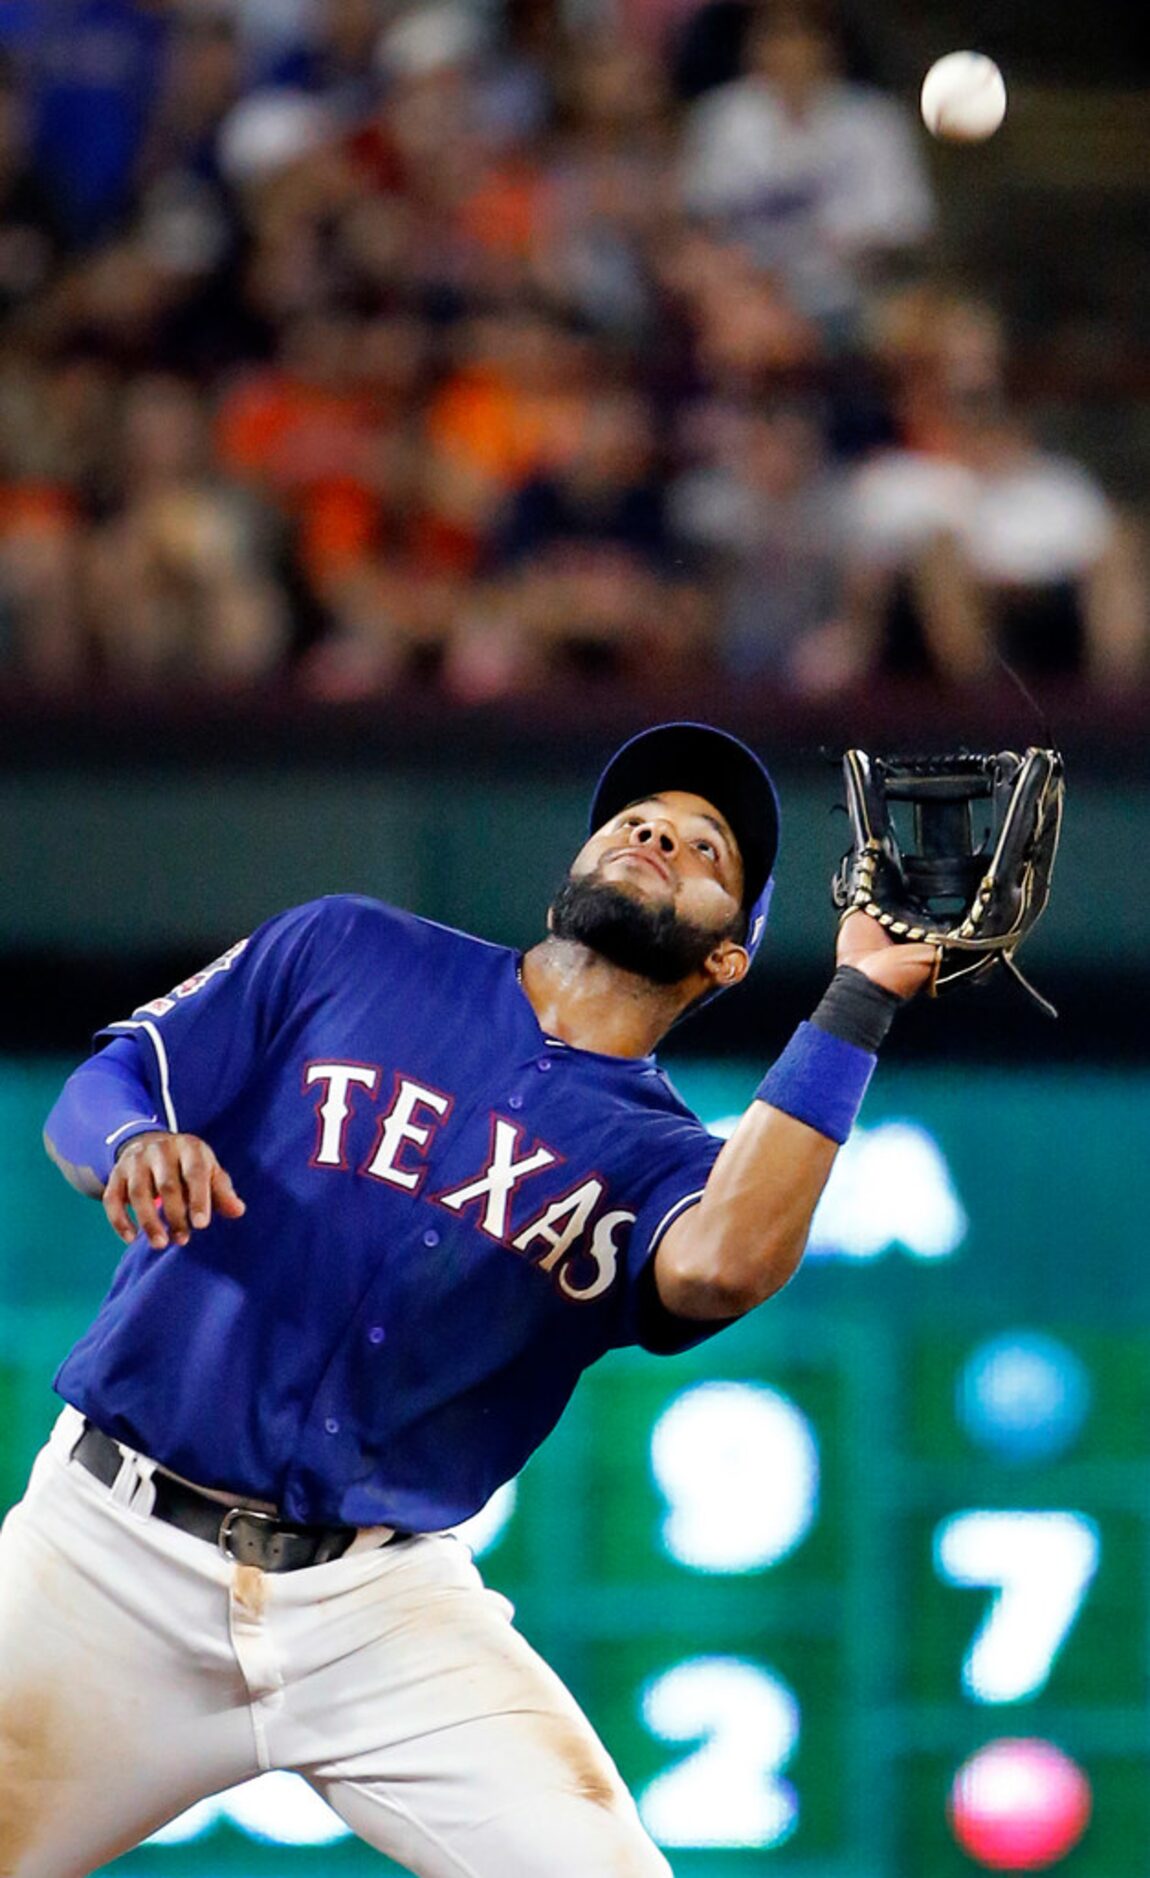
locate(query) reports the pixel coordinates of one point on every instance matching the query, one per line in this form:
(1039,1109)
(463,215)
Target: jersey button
(376,1334)
(544,1063)
(431,1237)
(331,1426)
(515,1102)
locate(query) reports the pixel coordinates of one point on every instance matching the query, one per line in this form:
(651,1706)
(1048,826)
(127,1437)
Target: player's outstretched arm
(173,1184)
(96,1135)
(745,1238)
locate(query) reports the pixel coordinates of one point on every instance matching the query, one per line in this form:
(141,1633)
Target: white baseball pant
(141,1670)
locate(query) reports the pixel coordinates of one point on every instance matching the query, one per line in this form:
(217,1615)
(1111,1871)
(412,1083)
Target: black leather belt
(240,1533)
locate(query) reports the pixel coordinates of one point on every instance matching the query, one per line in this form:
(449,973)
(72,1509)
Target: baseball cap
(710,763)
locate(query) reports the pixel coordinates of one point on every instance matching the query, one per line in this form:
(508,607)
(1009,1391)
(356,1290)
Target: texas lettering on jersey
(570,1232)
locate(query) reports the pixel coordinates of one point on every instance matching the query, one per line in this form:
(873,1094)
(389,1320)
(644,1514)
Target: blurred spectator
(462,134)
(534,45)
(763,518)
(607,199)
(426,146)
(40,639)
(202,79)
(302,434)
(179,575)
(582,565)
(332,56)
(53,445)
(186,221)
(331,439)
(608,495)
(513,406)
(938,351)
(996,549)
(93,70)
(818,177)
(740,334)
(55,421)
(29,238)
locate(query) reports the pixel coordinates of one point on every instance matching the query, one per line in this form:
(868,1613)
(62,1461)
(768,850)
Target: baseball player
(385,1192)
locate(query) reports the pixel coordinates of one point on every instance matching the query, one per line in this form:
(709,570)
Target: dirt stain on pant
(591,1775)
(29,1763)
(250,1588)
(587,1765)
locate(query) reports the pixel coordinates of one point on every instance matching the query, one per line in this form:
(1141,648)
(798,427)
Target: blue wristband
(820,1080)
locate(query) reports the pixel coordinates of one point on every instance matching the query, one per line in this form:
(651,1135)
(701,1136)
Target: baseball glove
(971,883)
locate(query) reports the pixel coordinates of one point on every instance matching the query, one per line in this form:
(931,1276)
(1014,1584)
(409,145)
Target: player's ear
(728,964)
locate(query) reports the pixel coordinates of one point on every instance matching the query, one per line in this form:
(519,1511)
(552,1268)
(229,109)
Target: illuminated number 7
(729,1792)
(1043,1565)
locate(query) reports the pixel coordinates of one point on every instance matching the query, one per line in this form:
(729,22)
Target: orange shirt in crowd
(502,431)
(308,447)
(35,508)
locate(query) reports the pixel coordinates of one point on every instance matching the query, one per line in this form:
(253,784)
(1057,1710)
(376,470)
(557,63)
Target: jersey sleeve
(202,1042)
(649,1323)
(101,1107)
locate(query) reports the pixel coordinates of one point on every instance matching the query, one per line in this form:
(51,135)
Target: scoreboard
(858,1589)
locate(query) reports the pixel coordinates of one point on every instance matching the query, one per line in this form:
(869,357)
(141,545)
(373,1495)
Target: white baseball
(963,97)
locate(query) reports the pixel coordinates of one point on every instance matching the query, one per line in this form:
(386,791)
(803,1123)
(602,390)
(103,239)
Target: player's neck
(591,1004)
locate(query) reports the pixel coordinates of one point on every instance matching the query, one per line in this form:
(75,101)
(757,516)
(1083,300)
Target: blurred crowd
(347,345)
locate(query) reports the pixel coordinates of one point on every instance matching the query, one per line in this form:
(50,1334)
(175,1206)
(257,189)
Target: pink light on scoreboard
(1019,1805)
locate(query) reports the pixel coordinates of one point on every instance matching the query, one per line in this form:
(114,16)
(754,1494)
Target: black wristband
(855,1009)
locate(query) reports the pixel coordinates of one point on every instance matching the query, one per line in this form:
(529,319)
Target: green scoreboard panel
(857,1590)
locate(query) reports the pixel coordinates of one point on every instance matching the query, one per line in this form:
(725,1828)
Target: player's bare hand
(901,968)
(172,1183)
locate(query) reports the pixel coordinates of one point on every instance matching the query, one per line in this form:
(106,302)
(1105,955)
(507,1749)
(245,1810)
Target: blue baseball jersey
(448,1219)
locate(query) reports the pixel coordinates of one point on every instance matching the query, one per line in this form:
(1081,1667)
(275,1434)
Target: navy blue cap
(710,763)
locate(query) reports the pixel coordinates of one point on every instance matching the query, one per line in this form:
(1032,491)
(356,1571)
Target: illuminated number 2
(1043,1565)
(730,1791)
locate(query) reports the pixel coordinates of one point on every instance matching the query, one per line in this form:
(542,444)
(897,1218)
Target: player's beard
(654,942)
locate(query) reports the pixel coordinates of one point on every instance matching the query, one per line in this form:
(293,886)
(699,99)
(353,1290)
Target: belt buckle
(224,1536)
